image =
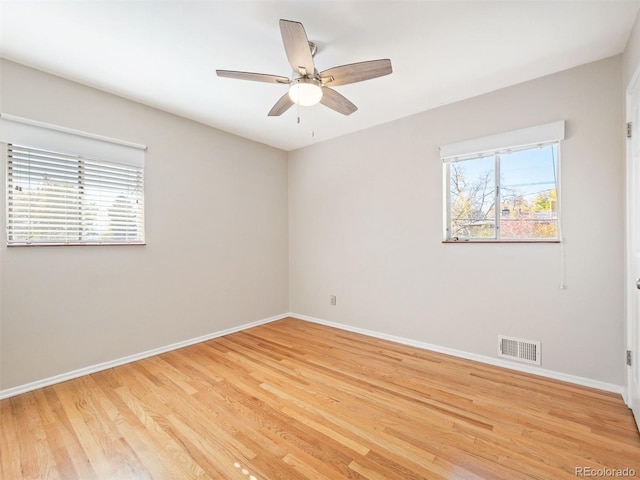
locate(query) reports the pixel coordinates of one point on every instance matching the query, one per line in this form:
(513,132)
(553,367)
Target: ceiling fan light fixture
(305,92)
(307,86)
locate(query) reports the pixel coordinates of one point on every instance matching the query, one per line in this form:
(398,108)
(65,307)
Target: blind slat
(70,169)
(53,198)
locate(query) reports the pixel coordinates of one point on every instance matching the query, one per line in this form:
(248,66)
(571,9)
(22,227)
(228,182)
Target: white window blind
(45,136)
(68,187)
(56,198)
(501,142)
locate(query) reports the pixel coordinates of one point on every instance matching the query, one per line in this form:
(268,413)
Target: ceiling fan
(308,87)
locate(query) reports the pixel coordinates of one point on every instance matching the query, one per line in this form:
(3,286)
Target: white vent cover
(526,351)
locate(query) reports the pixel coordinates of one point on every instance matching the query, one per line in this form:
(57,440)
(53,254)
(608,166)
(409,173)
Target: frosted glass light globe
(305,92)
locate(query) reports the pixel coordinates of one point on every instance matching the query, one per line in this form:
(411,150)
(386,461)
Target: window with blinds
(504,187)
(59,199)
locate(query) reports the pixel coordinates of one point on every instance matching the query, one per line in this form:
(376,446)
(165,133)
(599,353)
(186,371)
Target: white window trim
(494,145)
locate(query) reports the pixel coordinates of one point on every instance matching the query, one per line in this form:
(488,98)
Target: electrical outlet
(332,298)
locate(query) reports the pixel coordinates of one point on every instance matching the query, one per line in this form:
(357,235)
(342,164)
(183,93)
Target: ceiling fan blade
(356,72)
(254,77)
(296,45)
(337,102)
(281,106)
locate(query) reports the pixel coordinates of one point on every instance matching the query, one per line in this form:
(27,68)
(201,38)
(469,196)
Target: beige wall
(365,224)
(216,228)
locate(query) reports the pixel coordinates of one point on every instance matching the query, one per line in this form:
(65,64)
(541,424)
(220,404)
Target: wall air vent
(518,349)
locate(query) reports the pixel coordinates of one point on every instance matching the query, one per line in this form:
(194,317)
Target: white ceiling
(165,54)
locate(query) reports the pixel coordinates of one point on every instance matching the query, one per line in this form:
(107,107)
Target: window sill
(500,241)
(104,244)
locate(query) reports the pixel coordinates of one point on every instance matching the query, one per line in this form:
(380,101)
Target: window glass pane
(111,209)
(528,194)
(472,198)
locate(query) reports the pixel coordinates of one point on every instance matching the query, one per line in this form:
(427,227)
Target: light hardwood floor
(292,399)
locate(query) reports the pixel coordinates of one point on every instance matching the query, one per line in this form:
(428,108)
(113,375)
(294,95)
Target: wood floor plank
(10,440)
(296,400)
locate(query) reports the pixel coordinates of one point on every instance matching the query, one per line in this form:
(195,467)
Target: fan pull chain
(313,116)
(298,105)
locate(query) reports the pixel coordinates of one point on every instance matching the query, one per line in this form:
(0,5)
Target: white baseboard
(63,377)
(586,382)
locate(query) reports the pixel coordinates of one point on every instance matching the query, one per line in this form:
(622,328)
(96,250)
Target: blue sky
(529,172)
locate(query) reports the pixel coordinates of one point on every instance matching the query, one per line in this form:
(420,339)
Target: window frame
(493,146)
